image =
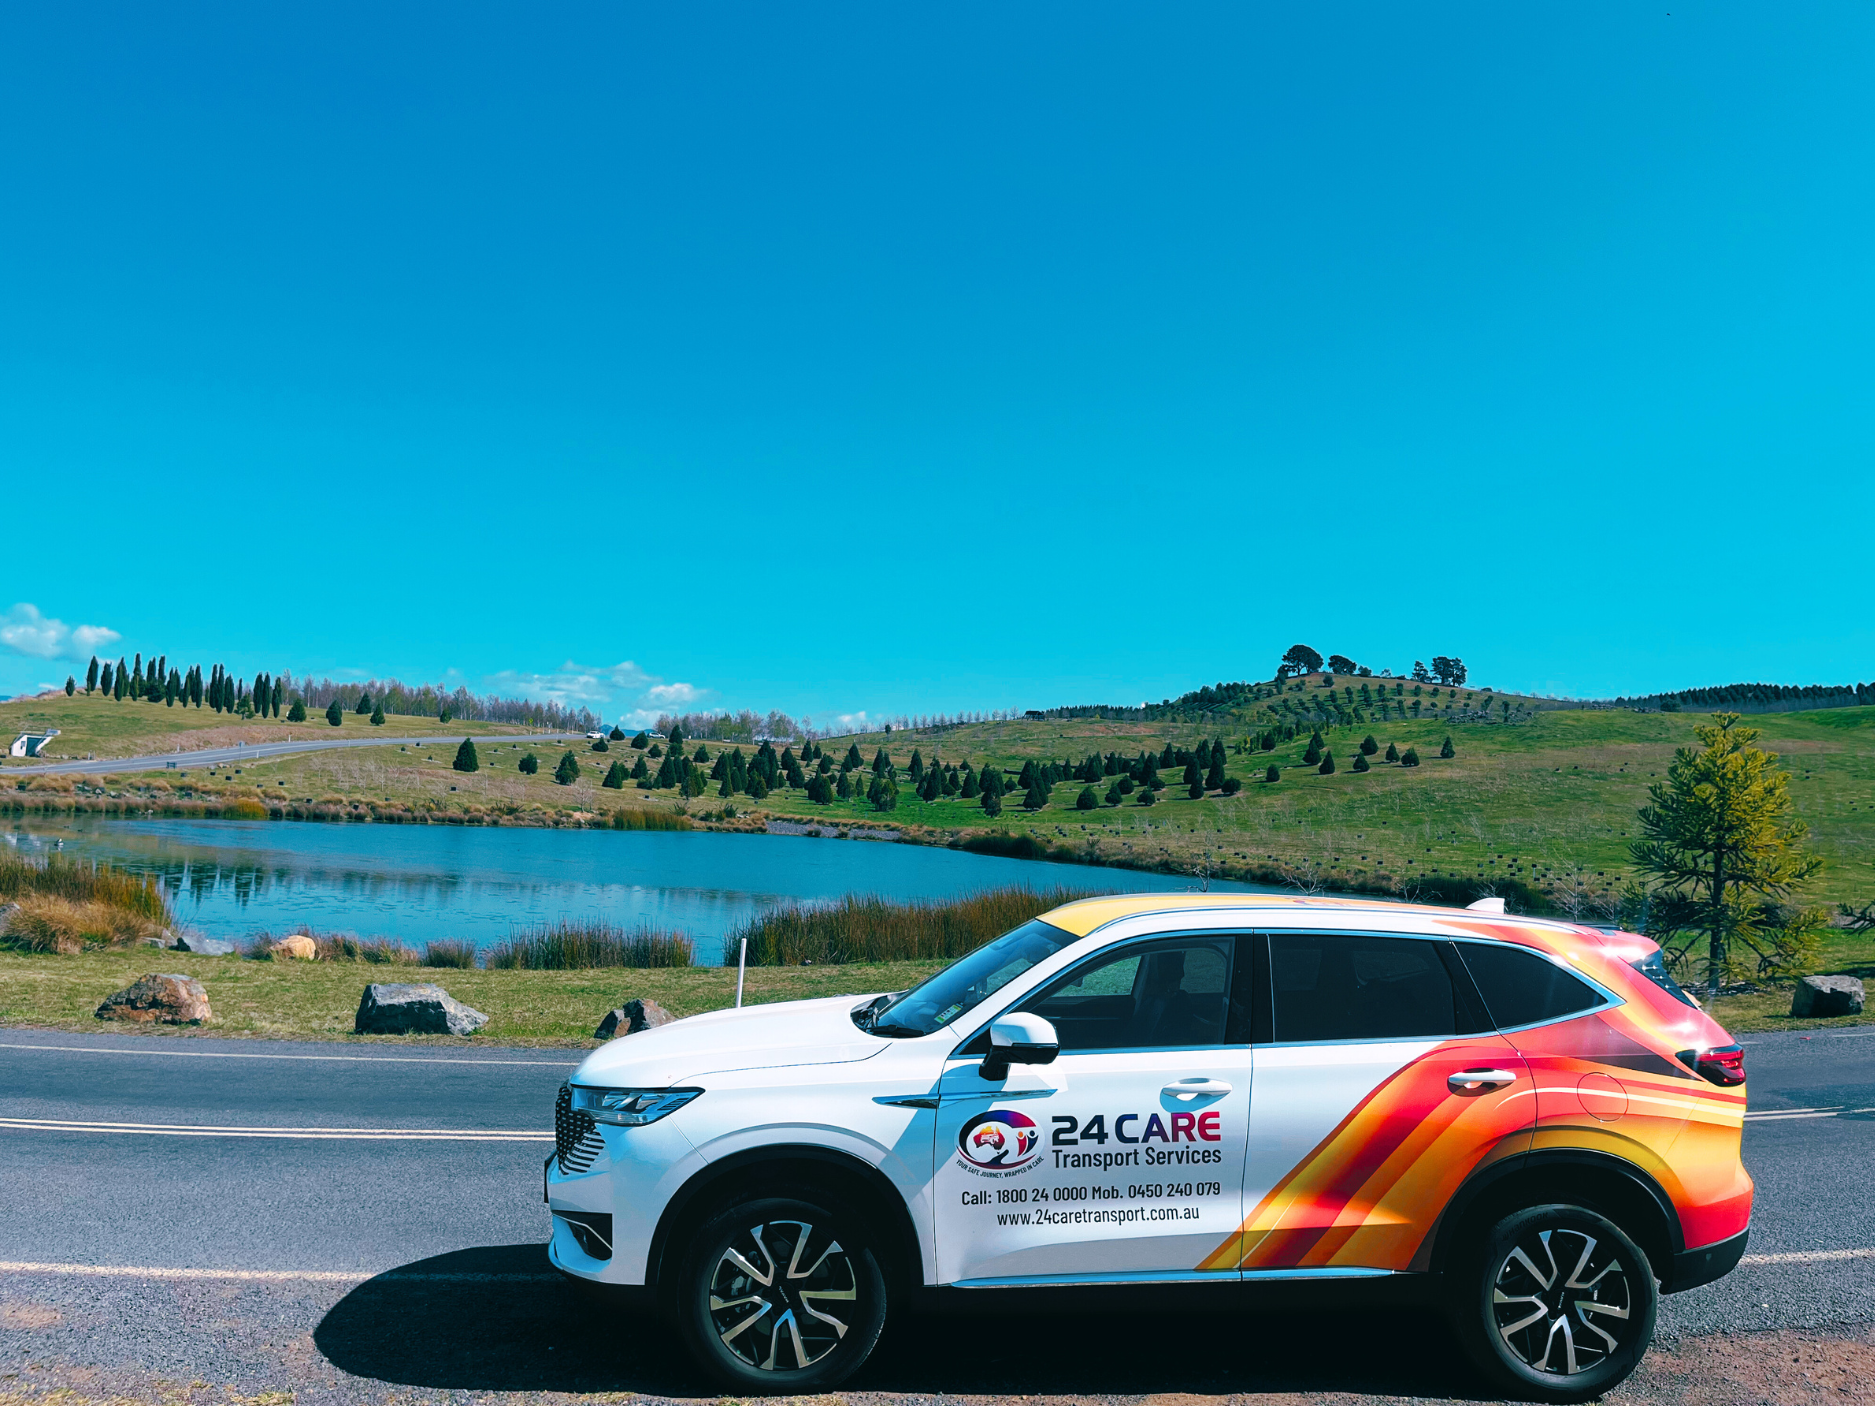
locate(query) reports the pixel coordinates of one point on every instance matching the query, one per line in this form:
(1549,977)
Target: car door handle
(1473,1081)
(1194,1088)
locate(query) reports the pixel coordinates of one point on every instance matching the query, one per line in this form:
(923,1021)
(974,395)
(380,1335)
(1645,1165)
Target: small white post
(742,967)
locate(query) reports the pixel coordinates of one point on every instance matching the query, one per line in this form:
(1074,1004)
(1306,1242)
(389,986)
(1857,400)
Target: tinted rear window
(1332,987)
(1521,988)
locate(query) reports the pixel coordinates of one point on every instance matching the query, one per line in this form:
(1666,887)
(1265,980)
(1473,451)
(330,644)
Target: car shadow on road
(501,1327)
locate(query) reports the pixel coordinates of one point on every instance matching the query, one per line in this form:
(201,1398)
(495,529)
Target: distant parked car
(596,735)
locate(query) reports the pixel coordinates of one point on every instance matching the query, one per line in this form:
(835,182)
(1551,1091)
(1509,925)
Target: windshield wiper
(898,1032)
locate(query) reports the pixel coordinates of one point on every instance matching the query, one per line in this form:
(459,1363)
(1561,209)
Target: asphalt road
(363,1221)
(217,756)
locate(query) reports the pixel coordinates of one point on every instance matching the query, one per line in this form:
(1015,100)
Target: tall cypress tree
(1215,781)
(853,760)
(91,675)
(118,684)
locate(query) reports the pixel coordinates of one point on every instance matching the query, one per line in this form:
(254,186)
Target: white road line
(1810,1257)
(65,1125)
(345,1059)
(1785,1115)
(315,1276)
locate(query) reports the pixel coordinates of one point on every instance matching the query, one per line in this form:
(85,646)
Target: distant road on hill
(216,756)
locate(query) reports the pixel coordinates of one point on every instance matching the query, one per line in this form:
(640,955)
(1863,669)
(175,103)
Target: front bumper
(628,1184)
(1691,1268)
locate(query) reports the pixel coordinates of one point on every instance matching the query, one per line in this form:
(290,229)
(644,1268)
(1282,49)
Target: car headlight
(630,1108)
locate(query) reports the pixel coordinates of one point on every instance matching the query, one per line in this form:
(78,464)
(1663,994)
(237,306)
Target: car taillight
(1723,1065)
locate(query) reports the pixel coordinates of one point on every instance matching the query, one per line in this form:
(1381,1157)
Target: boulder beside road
(630,1018)
(414,1008)
(1827,996)
(162,998)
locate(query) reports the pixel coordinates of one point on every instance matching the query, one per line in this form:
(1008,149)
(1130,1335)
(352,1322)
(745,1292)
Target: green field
(99,726)
(1549,800)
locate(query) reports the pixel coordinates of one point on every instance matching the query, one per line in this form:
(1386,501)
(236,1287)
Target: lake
(230,878)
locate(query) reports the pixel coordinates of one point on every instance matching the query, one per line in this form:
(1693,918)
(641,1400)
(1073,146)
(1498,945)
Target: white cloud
(674,695)
(25,631)
(850,722)
(571,683)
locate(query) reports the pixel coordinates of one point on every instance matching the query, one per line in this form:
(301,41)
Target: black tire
(1554,1303)
(779,1295)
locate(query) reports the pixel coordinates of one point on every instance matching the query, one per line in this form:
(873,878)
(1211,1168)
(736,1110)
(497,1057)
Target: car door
(1379,1088)
(1121,1160)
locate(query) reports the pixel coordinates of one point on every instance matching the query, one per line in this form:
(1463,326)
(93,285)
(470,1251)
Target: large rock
(414,1008)
(299,947)
(165,998)
(204,946)
(630,1018)
(1827,995)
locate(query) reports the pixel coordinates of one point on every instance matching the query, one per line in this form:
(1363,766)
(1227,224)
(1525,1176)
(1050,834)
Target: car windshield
(969,980)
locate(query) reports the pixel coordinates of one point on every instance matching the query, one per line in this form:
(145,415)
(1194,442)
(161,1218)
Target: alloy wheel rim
(1561,1301)
(783,1295)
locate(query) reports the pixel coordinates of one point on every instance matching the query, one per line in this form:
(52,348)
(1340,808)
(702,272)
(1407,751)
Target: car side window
(1155,995)
(1520,988)
(1332,986)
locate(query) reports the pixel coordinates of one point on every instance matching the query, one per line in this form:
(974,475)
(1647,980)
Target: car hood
(755,1037)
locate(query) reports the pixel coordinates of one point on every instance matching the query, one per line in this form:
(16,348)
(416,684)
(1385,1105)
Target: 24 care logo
(1000,1142)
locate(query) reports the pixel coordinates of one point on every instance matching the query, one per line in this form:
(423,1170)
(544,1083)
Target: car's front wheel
(1555,1303)
(779,1295)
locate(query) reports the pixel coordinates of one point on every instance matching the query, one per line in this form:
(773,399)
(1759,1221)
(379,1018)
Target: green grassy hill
(99,726)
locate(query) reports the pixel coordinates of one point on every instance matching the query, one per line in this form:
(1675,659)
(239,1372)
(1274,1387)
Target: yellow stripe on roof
(1084,915)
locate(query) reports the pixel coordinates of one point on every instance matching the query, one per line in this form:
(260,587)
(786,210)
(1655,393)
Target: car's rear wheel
(780,1295)
(1555,1303)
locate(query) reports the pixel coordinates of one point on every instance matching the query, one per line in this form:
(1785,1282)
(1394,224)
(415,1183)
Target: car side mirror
(1019,1039)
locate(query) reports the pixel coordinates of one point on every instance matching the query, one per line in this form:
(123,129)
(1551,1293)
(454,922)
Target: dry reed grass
(568,946)
(866,928)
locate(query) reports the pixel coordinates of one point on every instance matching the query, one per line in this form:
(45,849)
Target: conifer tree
(853,759)
(119,683)
(1087,800)
(1215,781)
(726,785)
(758,786)
(640,771)
(1369,746)
(881,763)
(617,734)
(702,758)
(916,767)
(334,713)
(1447,750)
(1313,754)
(992,804)
(1410,757)
(883,793)
(818,790)
(845,789)
(1195,790)
(1194,777)
(615,776)
(91,675)
(641,741)
(364,703)
(568,771)
(529,764)
(1272,772)
(466,760)
(667,773)
(1114,794)
(1360,762)
(1393,752)
(1126,784)
(950,783)
(1147,797)
(1036,796)
(1327,768)
(71,685)
(693,781)
(970,790)
(377,714)
(172,685)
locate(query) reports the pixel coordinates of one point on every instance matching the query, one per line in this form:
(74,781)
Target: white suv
(1527,1117)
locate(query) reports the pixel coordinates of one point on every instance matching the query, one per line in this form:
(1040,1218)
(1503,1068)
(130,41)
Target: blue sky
(895,359)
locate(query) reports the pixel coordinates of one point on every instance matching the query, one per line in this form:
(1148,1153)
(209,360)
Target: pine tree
(1313,754)
(466,760)
(91,675)
(568,771)
(1410,757)
(992,804)
(819,790)
(970,790)
(377,714)
(1447,750)
(1194,777)
(845,789)
(640,771)
(1272,772)
(881,763)
(529,764)
(641,741)
(757,787)
(334,713)
(667,773)
(1126,784)
(1369,746)
(1721,837)
(1327,768)
(119,684)
(71,685)
(1114,794)
(617,734)
(1036,796)
(1361,763)
(1147,797)
(615,776)
(853,761)
(297,713)
(1393,752)
(1215,781)
(1087,800)
(916,767)
(1195,790)
(364,704)
(883,793)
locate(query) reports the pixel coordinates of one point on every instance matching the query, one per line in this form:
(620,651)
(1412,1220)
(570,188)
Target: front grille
(576,1140)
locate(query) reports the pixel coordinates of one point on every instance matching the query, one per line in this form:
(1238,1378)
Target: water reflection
(229,878)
